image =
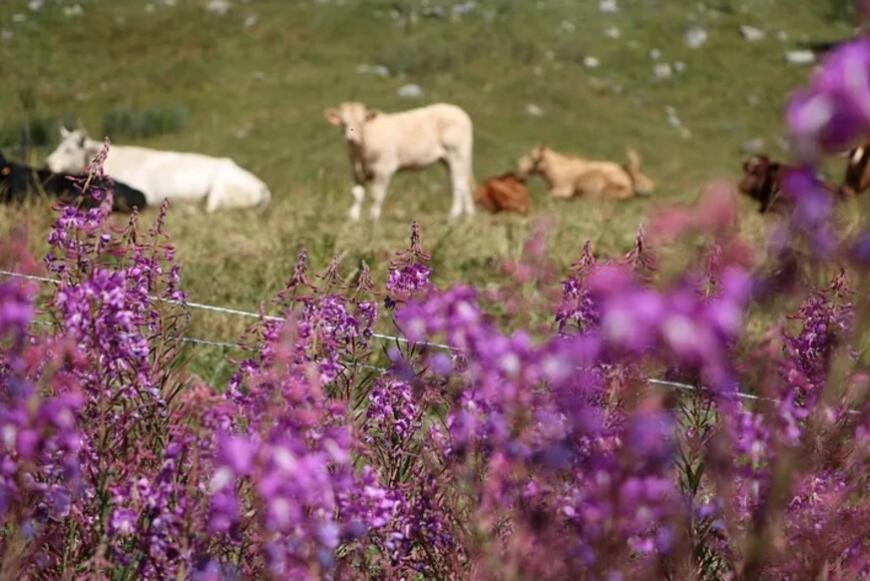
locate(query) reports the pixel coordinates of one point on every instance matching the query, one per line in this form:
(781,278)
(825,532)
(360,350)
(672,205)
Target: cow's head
(643,185)
(756,175)
(531,162)
(759,182)
(73,153)
(351,117)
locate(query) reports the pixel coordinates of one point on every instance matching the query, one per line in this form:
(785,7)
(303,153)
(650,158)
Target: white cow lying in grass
(163,175)
(380,144)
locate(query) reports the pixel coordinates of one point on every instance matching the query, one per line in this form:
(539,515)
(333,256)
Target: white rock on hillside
(800,57)
(533,110)
(751,146)
(218,7)
(663,71)
(608,6)
(612,32)
(377,70)
(410,91)
(695,37)
(752,34)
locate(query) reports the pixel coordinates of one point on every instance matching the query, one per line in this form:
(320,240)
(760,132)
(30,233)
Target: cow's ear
(333,116)
(371,114)
(64,132)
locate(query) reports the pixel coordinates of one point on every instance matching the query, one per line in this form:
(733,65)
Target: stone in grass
(377,70)
(695,37)
(590,62)
(675,122)
(410,91)
(663,71)
(612,32)
(533,110)
(464,8)
(752,34)
(752,146)
(74,10)
(218,7)
(608,6)
(800,57)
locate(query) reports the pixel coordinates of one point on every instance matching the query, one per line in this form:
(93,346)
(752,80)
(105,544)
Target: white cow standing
(380,144)
(164,175)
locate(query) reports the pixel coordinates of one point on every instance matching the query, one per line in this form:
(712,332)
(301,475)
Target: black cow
(19,182)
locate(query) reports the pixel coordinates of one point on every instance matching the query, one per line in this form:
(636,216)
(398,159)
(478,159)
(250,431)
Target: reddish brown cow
(504,193)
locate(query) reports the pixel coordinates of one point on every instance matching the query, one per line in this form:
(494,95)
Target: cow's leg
(214,198)
(562,191)
(468,199)
(379,191)
(460,178)
(358,191)
(618,191)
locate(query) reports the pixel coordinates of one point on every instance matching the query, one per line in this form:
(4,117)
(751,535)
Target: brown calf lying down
(762,181)
(569,176)
(857,178)
(504,193)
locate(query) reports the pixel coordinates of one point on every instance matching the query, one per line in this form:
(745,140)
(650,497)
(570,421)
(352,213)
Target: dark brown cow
(857,178)
(504,193)
(762,181)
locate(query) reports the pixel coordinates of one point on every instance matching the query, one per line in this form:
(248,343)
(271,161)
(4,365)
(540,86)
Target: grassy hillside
(252,84)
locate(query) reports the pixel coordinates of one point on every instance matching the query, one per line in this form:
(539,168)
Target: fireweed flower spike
(833,112)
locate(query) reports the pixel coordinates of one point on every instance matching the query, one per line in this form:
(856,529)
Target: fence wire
(672,385)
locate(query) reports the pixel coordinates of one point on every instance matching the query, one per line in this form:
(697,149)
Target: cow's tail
(642,184)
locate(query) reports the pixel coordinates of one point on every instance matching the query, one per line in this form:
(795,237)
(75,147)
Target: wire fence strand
(672,385)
